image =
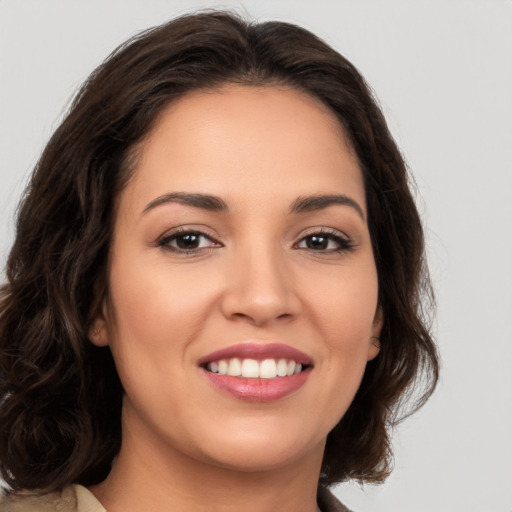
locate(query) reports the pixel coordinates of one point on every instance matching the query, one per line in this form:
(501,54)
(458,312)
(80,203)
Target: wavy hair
(60,396)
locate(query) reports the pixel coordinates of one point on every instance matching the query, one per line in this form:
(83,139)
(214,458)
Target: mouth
(257,372)
(253,369)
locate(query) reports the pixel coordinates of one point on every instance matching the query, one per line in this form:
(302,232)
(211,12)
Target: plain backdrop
(443,73)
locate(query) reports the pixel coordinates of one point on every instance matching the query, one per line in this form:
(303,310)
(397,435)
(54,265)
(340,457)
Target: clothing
(73,498)
(76,498)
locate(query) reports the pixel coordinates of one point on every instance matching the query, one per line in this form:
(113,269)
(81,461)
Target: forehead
(247,141)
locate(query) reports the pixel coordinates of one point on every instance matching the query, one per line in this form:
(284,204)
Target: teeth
(223,367)
(253,369)
(282,367)
(234,367)
(250,368)
(268,369)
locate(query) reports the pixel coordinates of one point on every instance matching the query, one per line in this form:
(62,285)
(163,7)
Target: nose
(260,288)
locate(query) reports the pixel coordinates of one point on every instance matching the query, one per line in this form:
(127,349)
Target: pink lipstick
(257,372)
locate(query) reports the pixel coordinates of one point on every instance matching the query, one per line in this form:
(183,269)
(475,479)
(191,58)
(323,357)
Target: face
(241,245)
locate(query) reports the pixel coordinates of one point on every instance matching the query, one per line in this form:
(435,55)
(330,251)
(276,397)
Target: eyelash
(344,244)
(166,240)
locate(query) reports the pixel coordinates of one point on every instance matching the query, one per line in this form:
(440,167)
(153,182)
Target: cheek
(156,318)
(158,313)
(345,303)
(343,310)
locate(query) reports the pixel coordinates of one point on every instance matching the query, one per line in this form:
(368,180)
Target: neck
(151,477)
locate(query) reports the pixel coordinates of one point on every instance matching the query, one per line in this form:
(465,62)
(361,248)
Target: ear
(374,345)
(98,331)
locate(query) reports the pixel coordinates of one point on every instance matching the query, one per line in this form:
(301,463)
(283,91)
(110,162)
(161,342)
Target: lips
(257,372)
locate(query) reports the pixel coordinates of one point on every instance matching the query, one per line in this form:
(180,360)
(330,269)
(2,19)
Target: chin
(257,452)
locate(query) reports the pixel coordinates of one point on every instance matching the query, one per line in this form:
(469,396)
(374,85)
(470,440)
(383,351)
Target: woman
(215,295)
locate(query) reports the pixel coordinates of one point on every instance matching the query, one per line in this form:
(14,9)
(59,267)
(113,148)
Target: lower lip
(258,390)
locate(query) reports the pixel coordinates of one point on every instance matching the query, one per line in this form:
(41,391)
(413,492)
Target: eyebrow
(319,202)
(204,201)
(216,204)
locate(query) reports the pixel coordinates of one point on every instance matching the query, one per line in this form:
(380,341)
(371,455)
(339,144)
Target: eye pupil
(188,241)
(317,242)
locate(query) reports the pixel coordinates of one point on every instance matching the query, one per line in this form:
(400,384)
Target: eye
(187,241)
(325,241)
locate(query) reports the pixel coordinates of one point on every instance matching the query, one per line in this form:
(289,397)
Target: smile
(257,372)
(252,368)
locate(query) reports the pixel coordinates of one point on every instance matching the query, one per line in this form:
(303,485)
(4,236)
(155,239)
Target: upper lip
(258,351)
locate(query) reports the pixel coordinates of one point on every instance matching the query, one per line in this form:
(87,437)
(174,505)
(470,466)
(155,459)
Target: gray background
(443,73)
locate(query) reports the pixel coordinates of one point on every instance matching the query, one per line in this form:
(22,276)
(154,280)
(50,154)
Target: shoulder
(73,498)
(76,498)
(327,502)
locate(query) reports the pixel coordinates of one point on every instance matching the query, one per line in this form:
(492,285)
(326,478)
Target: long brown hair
(60,397)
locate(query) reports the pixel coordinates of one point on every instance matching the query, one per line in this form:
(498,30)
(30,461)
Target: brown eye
(187,242)
(325,242)
(317,242)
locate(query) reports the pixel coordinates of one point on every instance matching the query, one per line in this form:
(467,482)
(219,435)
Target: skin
(254,276)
